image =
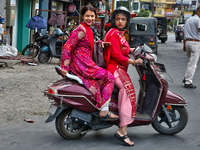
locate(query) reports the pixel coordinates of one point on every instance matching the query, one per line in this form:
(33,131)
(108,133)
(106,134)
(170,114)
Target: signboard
(187,14)
(71,8)
(12,2)
(69,1)
(168,12)
(184,1)
(177,13)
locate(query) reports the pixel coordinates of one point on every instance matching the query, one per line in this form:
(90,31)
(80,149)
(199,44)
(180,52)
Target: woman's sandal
(122,138)
(58,70)
(190,86)
(107,117)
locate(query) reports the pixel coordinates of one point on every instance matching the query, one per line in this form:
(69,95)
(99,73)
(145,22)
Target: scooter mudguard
(31,45)
(45,49)
(57,112)
(174,99)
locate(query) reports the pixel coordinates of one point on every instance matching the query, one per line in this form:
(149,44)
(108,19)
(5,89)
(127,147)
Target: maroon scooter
(73,106)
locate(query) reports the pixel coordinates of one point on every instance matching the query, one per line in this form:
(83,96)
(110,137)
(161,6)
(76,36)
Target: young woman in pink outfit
(117,60)
(77,58)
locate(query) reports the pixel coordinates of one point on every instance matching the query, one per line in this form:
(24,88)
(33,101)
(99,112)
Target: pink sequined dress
(97,80)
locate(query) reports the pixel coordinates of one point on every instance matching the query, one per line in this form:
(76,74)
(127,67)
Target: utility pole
(152,8)
(181,19)
(113,5)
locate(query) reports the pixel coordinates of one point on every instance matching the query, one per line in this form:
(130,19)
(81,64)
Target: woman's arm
(71,43)
(132,50)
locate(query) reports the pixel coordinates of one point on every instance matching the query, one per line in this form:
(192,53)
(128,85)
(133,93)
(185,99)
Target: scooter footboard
(174,99)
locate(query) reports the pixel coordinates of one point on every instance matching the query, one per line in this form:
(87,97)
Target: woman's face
(120,21)
(89,17)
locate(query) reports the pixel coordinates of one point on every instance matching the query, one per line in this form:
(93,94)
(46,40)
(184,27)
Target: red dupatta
(90,35)
(124,77)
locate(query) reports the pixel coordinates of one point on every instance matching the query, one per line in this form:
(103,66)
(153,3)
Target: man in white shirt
(191,42)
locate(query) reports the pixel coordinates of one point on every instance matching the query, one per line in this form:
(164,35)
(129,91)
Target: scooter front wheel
(43,57)
(179,117)
(28,50)
(67,128)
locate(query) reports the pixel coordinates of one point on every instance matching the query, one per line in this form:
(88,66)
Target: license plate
(52,110)
(151,43)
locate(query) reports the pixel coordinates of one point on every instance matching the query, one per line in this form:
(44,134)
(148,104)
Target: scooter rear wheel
(179,118)
(67,128)
(43,57)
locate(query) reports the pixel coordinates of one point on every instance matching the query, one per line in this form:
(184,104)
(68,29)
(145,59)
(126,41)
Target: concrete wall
(14,32)
(23,18)
(2,8)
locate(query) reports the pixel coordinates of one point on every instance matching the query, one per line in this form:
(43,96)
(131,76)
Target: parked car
(163,34)
(143,30)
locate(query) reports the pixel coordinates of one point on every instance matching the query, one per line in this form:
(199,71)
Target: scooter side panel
(70,93)
(45,49)
(174,99)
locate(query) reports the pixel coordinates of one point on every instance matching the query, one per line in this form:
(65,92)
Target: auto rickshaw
(143,30)
(162,21)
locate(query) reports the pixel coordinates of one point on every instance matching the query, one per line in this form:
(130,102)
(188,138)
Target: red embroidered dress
(97,80)
(116,57)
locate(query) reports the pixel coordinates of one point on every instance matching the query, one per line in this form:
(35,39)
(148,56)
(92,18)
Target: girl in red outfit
(117,60)
(77,58)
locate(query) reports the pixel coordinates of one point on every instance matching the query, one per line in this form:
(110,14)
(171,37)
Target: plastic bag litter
(7,50)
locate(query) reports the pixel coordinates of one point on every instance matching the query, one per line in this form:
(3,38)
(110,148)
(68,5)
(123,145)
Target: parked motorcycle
(73,106)
(53,49)
(40,40)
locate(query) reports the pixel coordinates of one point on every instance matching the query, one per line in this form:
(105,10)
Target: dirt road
(21,91)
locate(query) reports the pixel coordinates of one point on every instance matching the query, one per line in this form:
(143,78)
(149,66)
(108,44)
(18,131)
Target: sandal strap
(106,116)
(125,137)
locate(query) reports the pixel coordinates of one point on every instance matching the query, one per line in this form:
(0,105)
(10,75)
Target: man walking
(191,42)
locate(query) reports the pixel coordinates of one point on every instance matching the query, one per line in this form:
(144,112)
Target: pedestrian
(191,41)
(77,58)
(117,60)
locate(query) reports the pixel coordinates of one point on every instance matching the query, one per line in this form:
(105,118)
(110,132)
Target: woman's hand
(103,44)
(139,61)
(132,50)
(66,62)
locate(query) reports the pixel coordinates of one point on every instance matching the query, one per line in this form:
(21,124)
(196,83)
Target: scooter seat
(74,77)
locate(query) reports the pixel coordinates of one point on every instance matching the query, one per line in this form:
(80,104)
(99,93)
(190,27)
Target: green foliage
(124,3)
(143,13)
(171,22)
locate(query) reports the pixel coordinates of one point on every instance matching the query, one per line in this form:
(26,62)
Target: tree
(143,13)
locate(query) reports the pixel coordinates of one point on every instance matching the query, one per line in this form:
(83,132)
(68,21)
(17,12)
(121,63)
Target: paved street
(41,136)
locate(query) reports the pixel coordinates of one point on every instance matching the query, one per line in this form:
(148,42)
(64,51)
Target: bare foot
(104,113)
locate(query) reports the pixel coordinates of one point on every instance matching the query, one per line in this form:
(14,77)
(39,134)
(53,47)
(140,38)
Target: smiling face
(120,21)
(89,17)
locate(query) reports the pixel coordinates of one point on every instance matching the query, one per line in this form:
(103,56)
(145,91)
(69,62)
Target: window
(141,27)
